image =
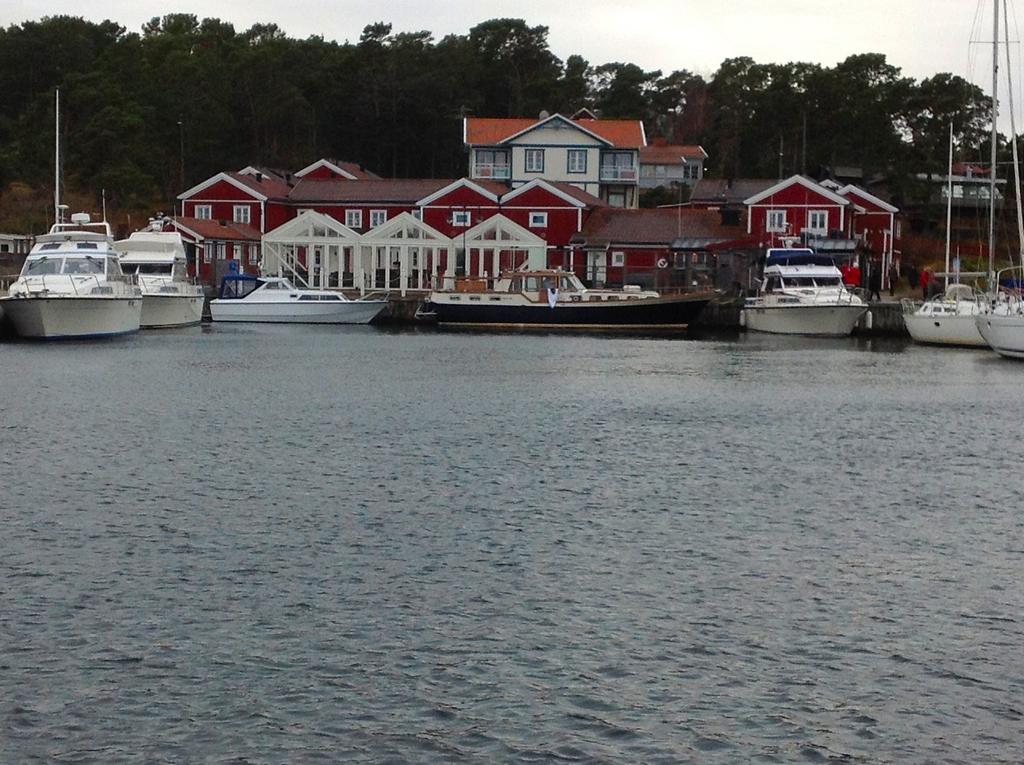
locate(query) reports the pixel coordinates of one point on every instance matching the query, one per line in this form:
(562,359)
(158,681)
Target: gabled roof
(489,131)
(564,191)
(618,226)
(480,187)
(200,228)
(372,191)
(350,170)
(230,178)
(308,224)
(268,186)
(802,181)
(857,191)
(663,154)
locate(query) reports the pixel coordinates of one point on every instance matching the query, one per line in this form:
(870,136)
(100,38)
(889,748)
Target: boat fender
(869,321)
(576,298)
(662,263)
(743,319)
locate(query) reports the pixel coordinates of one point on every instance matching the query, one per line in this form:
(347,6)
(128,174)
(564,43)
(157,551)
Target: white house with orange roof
(600,157)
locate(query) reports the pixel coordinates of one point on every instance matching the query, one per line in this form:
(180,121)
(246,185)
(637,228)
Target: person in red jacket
(924,282)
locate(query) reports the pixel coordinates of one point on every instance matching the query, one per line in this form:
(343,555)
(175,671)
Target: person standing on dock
(874,281)
(924,283)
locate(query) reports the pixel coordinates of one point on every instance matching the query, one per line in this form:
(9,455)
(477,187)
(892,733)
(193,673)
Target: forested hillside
(146,114)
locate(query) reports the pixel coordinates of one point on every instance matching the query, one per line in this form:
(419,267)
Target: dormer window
(534,160)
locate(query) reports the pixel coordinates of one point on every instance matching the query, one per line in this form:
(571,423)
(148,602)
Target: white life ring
(662,263)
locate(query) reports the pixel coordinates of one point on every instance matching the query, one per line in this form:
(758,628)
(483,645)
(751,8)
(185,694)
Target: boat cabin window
(114,272)
(51,246)
(42,267)
(827,281)
(179,271)
(84,265)
(147,269)
(274,286)
(86,246)
(238,288)
(774,283)
(319,297)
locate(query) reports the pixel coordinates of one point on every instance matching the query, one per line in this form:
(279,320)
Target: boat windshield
(147,269)
(42,267)
(544,282)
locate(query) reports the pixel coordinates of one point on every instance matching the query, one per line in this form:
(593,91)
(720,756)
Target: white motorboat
(802,293)
(947,319)
(71,286)
(156,260)
(275,299)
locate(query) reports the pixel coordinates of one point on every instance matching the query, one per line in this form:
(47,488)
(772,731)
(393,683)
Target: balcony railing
(490,170)
(616,173)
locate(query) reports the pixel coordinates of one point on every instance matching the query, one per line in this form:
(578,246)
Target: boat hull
(653,314)
(960,330)
(817,320)
(312,312)
(52,318)
(1003,333)
(166,311)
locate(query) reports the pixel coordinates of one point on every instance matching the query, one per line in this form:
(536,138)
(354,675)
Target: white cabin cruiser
(947,319)
(275,299)
(156,259)
(71,286)
(802,293)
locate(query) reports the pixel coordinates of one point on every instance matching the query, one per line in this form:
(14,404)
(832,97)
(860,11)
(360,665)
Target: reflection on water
(312,544)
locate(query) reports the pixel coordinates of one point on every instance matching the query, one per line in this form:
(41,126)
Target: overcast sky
(920,36)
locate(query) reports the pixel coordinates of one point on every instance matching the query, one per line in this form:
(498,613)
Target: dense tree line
(148,114)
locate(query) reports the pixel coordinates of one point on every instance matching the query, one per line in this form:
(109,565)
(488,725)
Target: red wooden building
(797,207)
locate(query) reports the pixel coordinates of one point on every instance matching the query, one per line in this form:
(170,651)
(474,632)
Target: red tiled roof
(588,199)
(271,186)
(722,191)
(354,168)
(374,190)
(490,131)
(213,229)
(670,155)
(659,226)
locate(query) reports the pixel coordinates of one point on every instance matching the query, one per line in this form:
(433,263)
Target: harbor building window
(208,252)
(222,250)
(535,160)
(354,218)
(378,217)
(460,218)
(538,220)
(254,254)
(577,161)
(491,164)
(776,221)
(204,212)
(241,214)
(817,221)
(618,259)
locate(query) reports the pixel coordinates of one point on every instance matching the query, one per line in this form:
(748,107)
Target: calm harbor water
(281,544)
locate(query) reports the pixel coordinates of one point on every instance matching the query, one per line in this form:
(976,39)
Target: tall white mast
(949,200)
(992,168)
(56,160)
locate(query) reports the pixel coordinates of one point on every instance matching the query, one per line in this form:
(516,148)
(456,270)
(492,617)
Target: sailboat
(949,318)
(1001,320)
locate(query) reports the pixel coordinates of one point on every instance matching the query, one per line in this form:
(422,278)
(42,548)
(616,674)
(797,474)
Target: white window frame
(461,218)
(208,251)
(418,213)
(618,259)
(576,166)
(775,221)
(222,250)
(538,220)
(254,255)
(204,212)
(241,214)
(823,215)
(378,218)
(533,161)
(354,218)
